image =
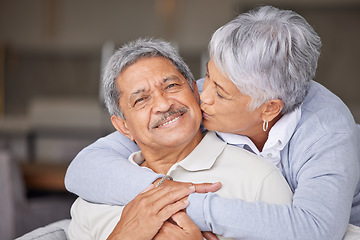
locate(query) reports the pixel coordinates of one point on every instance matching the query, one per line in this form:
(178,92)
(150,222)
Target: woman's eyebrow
(222,89)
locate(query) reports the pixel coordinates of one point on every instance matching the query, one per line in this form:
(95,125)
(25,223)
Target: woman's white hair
(268,54)
(130,54)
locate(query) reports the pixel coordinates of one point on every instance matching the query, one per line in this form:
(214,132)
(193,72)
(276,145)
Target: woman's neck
(261,137)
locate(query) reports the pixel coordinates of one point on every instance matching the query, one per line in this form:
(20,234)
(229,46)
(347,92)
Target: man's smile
(168,118)
(171,121)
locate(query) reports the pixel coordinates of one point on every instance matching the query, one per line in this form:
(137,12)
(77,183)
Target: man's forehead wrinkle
(163,80)
(136,92)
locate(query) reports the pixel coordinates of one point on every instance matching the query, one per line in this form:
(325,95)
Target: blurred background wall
(52,48)
(52,53)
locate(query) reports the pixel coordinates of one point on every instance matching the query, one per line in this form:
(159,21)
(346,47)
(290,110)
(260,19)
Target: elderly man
(153,100)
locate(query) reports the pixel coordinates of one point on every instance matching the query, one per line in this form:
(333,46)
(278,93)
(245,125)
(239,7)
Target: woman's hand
(199,187)
(145,215)
(179,227)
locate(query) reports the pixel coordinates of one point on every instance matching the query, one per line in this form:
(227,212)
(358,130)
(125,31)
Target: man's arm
(101,172)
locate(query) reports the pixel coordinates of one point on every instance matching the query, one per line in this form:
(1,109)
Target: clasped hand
(158,213)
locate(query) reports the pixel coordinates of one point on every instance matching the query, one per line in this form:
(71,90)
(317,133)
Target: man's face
(159,106)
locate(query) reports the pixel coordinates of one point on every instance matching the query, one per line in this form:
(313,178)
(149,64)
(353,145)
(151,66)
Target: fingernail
(192,188)
(186,202)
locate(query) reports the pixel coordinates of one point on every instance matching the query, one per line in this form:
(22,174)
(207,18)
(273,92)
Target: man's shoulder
(247,160)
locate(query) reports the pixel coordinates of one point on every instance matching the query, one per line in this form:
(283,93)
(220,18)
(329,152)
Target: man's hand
(180,227)
(145,215)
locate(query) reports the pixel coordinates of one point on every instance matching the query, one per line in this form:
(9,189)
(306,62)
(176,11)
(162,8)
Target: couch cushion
(54,231)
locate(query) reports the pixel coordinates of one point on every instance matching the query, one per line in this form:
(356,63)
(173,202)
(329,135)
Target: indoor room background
(51,56)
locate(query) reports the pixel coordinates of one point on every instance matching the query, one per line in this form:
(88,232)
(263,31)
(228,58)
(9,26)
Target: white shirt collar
(282,131)
(279,136)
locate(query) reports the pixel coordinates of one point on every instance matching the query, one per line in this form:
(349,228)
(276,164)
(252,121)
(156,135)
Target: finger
(166,195)
(209,236)
(175,187)
(172,209)
(183,220)
(207,187)
(167,231)
(187,225)
(151,186)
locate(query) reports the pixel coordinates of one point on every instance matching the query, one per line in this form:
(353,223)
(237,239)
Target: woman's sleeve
(101,173)
(326,180)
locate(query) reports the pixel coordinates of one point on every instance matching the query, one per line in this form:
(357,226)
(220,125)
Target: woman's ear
(272,109)
(120,125)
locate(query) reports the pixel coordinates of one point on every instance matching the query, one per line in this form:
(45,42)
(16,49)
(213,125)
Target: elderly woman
(258,94)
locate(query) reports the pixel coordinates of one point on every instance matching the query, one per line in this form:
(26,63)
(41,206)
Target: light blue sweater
(320,163)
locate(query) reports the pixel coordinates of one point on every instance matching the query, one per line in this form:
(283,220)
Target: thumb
(207,187)
(183,220)
(209,236)
(151,186)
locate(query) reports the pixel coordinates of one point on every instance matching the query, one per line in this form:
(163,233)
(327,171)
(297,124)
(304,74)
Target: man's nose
(161,103)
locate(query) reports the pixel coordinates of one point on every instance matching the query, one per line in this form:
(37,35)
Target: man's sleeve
(101,173)
(92,221)
(320,208)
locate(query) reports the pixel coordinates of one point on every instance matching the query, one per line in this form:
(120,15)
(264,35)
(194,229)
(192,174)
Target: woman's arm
(101,172)
(326,179)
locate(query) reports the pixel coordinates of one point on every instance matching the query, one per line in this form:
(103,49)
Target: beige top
(243,175)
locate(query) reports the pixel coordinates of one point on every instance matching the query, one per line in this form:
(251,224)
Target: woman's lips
(205,115)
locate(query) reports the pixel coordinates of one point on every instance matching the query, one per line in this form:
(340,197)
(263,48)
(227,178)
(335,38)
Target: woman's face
(225,107)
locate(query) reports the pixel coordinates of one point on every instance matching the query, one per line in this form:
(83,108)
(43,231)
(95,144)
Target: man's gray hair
(130,54)
(268,53)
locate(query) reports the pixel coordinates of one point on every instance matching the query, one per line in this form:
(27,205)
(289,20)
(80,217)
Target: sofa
(53,231)
(21,213)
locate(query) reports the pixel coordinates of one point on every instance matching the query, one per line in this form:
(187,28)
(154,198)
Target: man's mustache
(166,115)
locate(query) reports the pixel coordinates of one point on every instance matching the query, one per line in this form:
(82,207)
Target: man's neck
(162,159)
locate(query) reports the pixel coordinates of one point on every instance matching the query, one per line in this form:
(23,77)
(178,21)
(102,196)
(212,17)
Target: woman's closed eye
(219,95)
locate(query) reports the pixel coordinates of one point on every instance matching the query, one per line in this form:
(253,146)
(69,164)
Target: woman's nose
(206,95)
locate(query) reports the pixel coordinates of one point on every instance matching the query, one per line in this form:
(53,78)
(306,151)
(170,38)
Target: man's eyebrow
(172,77)
(137,92)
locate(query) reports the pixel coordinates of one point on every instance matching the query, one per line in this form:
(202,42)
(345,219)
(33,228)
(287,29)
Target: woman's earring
(265,125)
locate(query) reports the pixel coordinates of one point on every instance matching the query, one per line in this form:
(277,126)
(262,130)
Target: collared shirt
(243,175)
(279,136)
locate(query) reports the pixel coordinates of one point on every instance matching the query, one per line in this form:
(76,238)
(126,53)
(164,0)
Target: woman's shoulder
(324,112)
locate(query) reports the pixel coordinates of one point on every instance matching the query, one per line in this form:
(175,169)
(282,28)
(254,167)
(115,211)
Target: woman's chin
(209,126)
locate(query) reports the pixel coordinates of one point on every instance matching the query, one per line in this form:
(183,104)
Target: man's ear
(196,91)
(120,125)
(272,109)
